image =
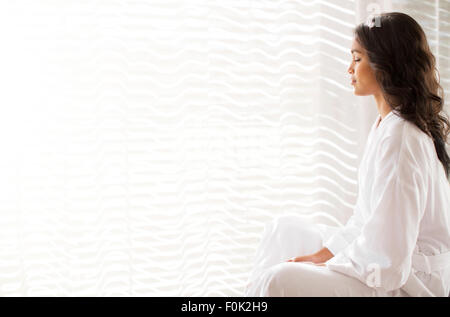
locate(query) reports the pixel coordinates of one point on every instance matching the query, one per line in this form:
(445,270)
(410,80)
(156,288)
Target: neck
(382,105)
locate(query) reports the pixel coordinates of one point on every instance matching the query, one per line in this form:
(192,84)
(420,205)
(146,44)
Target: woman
(397,241)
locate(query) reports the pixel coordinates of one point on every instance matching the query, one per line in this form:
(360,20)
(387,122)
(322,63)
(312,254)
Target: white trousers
(291,236)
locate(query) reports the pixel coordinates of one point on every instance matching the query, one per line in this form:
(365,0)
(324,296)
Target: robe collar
(380,122)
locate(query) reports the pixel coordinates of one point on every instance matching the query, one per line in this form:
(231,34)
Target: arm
(381,255)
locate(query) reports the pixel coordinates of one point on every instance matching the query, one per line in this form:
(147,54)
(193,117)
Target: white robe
(403,207)
(290,236)
(401,215)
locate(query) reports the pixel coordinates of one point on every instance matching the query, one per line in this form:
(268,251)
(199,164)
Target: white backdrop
(145,143)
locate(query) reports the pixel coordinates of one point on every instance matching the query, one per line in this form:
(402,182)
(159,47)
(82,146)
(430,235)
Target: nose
(350,69)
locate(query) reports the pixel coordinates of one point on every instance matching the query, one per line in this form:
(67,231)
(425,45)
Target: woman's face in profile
(362,75)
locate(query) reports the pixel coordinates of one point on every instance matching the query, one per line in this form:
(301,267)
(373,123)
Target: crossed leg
(291,236)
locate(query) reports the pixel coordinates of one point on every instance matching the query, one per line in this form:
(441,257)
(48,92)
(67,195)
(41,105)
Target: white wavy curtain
(146,143)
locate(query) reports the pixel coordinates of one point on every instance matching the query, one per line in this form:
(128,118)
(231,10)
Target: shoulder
(405,142)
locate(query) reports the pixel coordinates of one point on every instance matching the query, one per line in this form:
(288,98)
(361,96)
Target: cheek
(366,81)
(365,74)
(361,72)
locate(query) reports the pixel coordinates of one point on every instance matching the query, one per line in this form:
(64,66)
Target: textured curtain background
(145,143)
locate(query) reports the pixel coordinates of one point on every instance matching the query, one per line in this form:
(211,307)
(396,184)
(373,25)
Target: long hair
(405,69)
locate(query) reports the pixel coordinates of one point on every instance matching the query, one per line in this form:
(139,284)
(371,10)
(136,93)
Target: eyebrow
(355,51)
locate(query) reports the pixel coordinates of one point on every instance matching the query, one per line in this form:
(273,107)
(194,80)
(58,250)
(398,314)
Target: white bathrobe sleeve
(381,255)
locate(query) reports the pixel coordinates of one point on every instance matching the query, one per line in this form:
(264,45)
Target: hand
(320,257)
(304,258)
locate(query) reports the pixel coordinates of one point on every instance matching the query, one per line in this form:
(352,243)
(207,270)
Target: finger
(299,259)
(320,264)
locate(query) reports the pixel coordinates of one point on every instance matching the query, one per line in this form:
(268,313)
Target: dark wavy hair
(405,69)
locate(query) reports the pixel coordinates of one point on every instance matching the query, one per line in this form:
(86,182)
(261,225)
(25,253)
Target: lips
(353,81)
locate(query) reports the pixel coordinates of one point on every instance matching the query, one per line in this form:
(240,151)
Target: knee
(276,280)
(287,220)
(286,228)
(284,223)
